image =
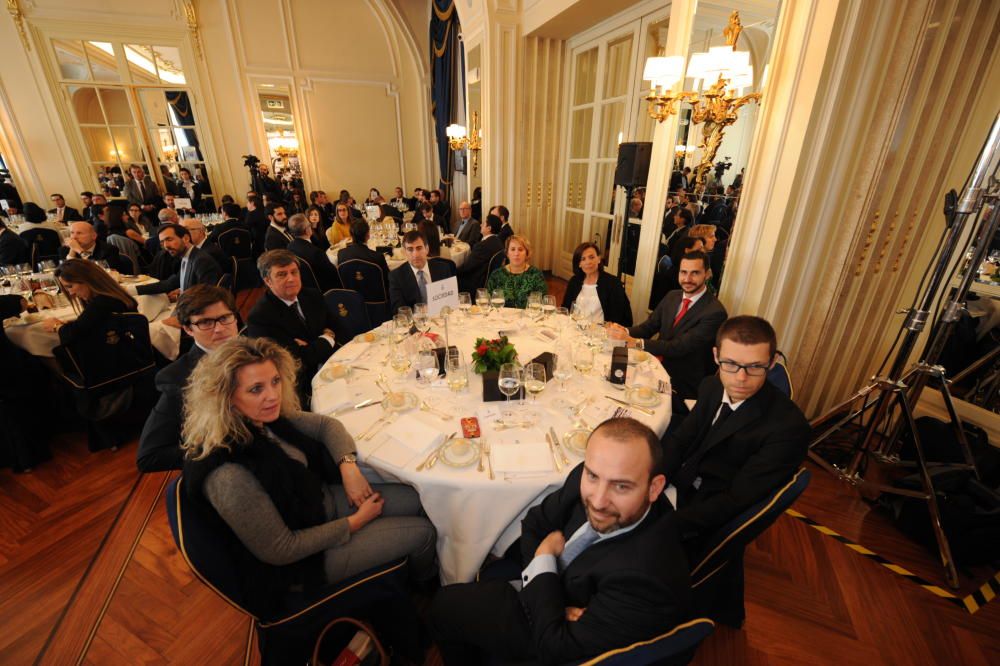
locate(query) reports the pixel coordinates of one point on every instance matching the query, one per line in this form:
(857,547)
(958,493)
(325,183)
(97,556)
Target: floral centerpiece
(491,354)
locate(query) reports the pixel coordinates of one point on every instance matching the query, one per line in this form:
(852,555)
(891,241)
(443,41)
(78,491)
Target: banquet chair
(349,313)
(309,280)
(42,243)
(107,373)
(779,375)
(717,578)
(225,281)
(496,261)
(237,245)
(285,634)
(676,646)
(448,264)
(368,280)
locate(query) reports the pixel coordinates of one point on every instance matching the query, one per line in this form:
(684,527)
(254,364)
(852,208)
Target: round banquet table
(457,253)
(473,514)
(29,334)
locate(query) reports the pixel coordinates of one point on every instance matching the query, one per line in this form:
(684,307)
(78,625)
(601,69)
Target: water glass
(457,372)
(562,368)
(420,317)
(534,304)
(548,305)
(427,366)
(498,299)
(464,302)
(509,382)
(483,300)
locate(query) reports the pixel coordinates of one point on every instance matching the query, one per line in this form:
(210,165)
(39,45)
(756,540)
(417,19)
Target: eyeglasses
(752,370)
(208,324)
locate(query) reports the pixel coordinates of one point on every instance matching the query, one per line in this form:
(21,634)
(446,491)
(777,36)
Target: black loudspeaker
(633,164)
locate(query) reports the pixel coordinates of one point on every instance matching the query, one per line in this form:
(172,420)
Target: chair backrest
(197,540)
(349,313)
(42,244)
(113,357)
(245,274)
(779,375)
(225,281)
(496,261)
(367,279)
(236,243)
(309,279)
(677,641)
(448,265)
(732,538)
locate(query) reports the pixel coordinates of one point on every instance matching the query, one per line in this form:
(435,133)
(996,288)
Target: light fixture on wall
(170,153)
(460,139)
(715,108)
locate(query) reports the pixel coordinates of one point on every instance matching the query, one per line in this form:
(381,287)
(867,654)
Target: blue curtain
(444,50)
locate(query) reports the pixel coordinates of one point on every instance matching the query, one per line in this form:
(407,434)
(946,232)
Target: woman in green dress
(518,278)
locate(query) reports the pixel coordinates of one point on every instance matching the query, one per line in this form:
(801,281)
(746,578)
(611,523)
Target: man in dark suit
(257,222)
(13,249)
(303,247)
(84,244)
(196,266)
(472,273)
(468,227)
(743,439)
(602,566)
(358,249)
(686,321)
(63,212)
(87,197)
(141,189)
(231,215)
(208,315)
(426,212)
(408,283)
(199,238)
(277,237)
(441,209)
(505,231)
(295,318)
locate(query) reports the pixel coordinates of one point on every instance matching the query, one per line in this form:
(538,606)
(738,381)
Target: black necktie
(294,307)
(689,470)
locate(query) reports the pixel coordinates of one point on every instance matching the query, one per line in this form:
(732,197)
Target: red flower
(481,350)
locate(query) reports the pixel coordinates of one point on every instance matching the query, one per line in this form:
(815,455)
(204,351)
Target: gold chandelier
(715,108)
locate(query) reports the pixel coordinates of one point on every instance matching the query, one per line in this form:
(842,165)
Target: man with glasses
(208,314)
(743,439)
(468,227)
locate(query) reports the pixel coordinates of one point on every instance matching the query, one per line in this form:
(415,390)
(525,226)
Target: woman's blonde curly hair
(210,419)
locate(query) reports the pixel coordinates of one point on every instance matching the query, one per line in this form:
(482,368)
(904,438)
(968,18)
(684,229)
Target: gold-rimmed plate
(460,452)
(644,396)
(576,440)
(400,401)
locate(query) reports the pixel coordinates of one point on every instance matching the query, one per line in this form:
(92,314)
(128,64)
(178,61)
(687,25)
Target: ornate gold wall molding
(14,8)
(191,17)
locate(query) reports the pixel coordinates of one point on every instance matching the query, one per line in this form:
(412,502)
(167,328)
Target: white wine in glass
(534,380)
(583,359)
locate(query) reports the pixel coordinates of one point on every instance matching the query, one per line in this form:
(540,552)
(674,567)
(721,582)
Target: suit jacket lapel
(694,313)
(747,413)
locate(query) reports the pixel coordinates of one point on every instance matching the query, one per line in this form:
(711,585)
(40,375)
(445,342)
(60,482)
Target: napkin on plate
(535,457)
(390,450)
(415,435)
(332,397)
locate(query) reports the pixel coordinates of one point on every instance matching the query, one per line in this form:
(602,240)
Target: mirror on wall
(278,118)
(473,61)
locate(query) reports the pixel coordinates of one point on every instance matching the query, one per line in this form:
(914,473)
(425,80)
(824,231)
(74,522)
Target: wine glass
(548,305)
(509,383)
(399,360)
(458,374)
(420,317)
(401,327)
(562,369)
(534,303)
(498,299)
(583,358)
(24,270)
(427,366)
(579,317)
(464,302)
(483,300)
(534,380)
(47,266)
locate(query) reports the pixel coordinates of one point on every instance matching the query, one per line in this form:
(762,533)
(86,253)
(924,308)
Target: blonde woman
(518,278)
(94,294)
(341,227)
(286,482)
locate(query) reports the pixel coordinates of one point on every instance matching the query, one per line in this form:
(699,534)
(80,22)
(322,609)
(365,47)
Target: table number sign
(441,293)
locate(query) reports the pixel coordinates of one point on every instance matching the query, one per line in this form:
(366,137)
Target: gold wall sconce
(460,139)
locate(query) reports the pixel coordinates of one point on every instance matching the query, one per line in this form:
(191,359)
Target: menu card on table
(441,293)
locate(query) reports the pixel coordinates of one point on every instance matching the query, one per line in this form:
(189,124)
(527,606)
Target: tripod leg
(932,504)
(956,424)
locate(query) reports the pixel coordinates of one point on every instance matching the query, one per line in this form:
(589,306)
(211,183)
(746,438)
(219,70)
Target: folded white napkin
(414,434)
(534,457)
(350,353)
(329,398)
(392,451)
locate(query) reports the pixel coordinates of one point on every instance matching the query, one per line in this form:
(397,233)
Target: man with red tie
(686,320)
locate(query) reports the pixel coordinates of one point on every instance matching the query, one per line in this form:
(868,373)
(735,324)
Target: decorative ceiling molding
(192,23)
(14,7)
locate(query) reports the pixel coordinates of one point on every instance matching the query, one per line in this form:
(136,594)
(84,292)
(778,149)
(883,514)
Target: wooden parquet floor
(89,574)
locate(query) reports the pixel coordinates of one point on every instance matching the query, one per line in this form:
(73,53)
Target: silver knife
(632,405)
(552,450)
(559,448)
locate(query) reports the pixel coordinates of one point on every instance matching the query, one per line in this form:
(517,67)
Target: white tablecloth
(457,253)
(34,339)
(474,515)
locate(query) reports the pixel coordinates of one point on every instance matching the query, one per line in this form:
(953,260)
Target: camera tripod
(887,400)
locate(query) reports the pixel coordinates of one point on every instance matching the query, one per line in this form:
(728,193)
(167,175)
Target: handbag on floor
(348,642)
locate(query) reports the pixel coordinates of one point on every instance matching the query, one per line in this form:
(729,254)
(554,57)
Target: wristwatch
(349,458)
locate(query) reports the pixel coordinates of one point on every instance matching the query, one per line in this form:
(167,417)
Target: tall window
(132,106)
